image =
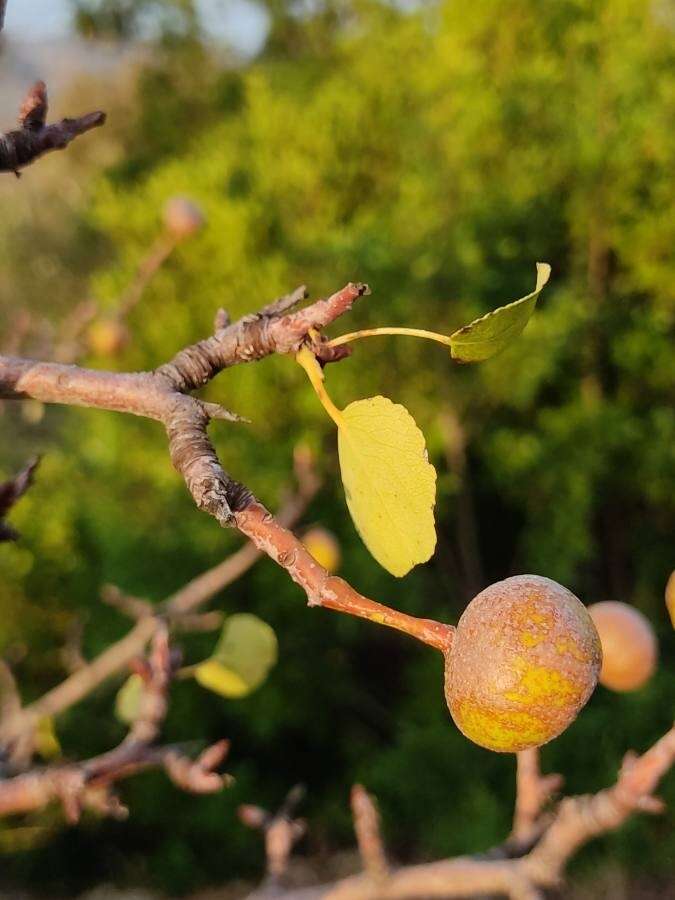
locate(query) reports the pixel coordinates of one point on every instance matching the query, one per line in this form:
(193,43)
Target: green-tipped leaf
(489,335)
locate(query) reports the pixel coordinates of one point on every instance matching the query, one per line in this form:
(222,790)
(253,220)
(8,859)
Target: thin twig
(10,492)
(34,137)
(177,609)
(367,827)
(86,784)
(533,791)
(576,821)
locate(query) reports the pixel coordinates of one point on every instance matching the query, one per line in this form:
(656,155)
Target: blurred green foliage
(436,154)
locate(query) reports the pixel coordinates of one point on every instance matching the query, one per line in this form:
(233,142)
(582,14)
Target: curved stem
(306,359)
(375,332)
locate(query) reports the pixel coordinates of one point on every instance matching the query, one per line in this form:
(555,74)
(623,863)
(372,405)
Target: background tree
(507,135)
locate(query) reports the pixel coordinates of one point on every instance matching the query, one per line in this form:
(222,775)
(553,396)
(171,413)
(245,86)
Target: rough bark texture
(164,395)
(34,138)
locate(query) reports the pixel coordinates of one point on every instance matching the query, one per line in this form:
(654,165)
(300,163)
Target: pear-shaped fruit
(629,648)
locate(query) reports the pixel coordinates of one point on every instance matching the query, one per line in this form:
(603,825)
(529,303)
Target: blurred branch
(454,444)
(281,831)
(10,492)
(179,610)
(533,791)
(34,137)
(88,784)
(576,821)
(367,827)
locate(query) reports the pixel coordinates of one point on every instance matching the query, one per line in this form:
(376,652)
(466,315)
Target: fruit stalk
(324,589)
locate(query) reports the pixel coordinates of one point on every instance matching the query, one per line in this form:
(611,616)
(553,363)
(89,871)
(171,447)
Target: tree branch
(576,821)
(164,395)
(367,827)
(88,784)
(34,138)
(533,791)
(10,492)
(19,723)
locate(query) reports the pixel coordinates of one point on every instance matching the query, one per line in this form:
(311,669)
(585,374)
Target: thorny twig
(34,138)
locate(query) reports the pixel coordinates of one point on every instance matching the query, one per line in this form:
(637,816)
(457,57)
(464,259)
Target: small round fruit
(324,547)
(524,660)
(107,337)
(629,648)
(182,217)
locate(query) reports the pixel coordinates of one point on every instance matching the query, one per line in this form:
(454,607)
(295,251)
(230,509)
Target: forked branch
(165,395)
(572,824)
(34,137)
(88,784)
(17,724)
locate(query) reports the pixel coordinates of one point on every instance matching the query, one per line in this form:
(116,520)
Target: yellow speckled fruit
(629,649)
(524,661)
(324,547)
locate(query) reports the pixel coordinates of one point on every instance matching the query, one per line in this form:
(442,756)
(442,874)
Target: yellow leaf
(389,483)
(246,651)
(128,700)
(218,678)
(46,742)
(670,597)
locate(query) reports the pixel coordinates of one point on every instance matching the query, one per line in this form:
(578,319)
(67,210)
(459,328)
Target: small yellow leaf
(46,742)
(128,699)
(218,678)
(389,483)
(670,597)
(492,333)
(246,651)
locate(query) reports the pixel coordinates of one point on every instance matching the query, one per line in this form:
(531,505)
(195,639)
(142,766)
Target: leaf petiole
(375,332)
(306,359)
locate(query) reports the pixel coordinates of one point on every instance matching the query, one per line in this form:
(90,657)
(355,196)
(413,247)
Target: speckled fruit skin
(525,659)
(629,648)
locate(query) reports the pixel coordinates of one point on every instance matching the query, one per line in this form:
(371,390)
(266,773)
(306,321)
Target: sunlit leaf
(128,699)
(389,483)
(670,597)
(489,335)
(246,651)
(46,742)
